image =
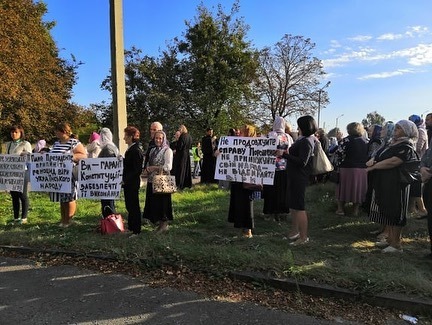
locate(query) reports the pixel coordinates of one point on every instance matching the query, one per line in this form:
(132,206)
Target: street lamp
(337,119)
(319,99)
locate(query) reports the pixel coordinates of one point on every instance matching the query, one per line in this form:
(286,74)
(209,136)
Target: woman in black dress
(158,207)
(390,197)
(240,211)
(299,167)
(132,168)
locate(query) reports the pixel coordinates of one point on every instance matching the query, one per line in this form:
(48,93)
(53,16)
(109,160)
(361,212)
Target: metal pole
(319,106)
(118,73)
(319,100)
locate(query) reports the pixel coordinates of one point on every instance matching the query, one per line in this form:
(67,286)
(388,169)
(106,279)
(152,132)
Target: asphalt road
(32,294)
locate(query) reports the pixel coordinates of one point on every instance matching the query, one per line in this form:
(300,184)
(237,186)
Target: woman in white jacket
(18,146)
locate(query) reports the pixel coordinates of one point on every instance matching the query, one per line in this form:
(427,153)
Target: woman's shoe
(300,241)
(247,233)
(392,249)
(294,237)
(163,227)
(340,213)
(382,243)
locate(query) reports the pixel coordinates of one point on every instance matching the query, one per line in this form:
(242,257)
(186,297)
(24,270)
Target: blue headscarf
(389,129)
(417,120)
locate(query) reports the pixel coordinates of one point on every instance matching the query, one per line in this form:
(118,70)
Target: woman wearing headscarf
(275,195)
(390,197)
(158,207)
(19,146)
(416,205)
(386,136)
(108,149)
(374,134)
(94,146)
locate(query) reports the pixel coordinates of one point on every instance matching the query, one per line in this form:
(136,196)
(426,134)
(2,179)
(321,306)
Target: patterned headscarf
(409,128)
(389,129)
(164,141)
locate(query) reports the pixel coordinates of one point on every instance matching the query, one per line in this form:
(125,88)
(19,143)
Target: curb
(409,304)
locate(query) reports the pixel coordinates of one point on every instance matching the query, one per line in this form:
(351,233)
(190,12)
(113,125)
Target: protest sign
(51,172)
(100,178)
(12,172)
(248,160)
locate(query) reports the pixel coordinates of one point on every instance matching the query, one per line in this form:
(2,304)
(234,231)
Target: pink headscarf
(94,136)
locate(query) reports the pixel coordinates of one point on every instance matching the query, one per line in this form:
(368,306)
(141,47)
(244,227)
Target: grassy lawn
(341,251)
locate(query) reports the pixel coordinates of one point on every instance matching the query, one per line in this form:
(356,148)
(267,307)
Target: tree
(289,79)
(35,83)
(201,80)
(218,68)
(373,118)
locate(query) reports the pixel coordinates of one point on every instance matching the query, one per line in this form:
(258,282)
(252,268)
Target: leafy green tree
(219,67)
(373,118)
(35,83)
(202,80)
(289,79)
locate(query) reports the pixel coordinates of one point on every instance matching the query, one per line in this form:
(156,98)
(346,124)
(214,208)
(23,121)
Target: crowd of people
(367,162)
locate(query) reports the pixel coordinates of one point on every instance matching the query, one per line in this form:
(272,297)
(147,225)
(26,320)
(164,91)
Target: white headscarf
(410,130)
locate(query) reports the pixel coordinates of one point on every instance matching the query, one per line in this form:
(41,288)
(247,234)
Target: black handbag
(409,172)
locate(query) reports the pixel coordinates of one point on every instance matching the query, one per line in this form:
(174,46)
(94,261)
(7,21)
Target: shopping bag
(112,224)
(164,184)
(320,163)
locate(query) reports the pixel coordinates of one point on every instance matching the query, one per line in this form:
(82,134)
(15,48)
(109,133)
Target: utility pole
(319,100)
(118,73)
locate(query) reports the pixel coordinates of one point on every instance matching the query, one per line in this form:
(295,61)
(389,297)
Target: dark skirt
(158,207)
(241,207)
(275,196)
(297,182)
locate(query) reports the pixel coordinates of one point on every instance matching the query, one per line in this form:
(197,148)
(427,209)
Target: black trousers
(20,200)
(131,195)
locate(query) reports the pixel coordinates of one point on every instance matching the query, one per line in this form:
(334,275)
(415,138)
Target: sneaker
(133,236)
(300,241)
(392,249)
(23,221)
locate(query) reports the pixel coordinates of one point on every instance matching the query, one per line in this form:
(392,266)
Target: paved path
(31,294)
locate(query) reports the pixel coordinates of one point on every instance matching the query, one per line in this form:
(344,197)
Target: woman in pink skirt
(351,157)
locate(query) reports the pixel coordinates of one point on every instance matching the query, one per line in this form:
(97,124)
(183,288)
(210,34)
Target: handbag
(253,187)
(164,184)
(112,224)
(320,163)
(409,172)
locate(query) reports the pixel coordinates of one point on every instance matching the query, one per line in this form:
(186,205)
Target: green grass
(341,250)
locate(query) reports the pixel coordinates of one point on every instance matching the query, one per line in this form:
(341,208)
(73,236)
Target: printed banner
(12,172)
(248,160)
(100,178)
(51,172)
